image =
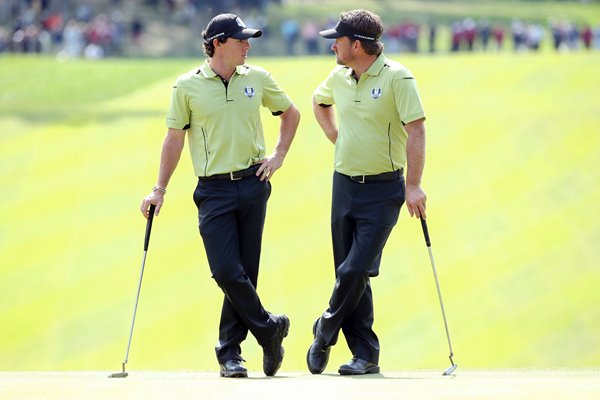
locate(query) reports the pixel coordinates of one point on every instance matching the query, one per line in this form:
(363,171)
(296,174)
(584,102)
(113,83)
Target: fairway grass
(512,178)
(407,385)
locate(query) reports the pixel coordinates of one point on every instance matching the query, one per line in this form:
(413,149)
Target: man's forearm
(170,155)
(326,118)
(287,130)
(415,153)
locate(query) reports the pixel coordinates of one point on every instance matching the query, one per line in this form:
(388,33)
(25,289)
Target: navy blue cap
(343,29)
(229,25)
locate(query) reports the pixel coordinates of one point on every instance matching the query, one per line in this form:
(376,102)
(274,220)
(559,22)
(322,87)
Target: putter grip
(149,226)
(425,232)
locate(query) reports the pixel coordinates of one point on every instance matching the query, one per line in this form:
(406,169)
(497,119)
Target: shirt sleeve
(407,98)
(323,94)
(178,116)
(274,98)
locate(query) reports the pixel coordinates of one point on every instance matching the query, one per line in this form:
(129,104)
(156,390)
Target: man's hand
(287,130)
(269,165)
(416,201)
(155,197)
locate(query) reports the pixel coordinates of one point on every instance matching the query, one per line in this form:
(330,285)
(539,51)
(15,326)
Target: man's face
(235,51)
(342,47)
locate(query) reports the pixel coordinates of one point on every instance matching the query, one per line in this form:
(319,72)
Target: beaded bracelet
(160,189)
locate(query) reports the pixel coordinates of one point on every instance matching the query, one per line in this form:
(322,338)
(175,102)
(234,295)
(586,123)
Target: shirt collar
(242,69)
(374,69)
(207,71)
(377,66)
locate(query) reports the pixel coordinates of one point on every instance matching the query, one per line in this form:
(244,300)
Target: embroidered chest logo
(376,93)
(249,91)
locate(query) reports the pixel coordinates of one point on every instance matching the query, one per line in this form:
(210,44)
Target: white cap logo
(240,22)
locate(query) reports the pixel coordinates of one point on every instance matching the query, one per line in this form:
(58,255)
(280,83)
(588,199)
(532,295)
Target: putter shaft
(439,292)
(139,288)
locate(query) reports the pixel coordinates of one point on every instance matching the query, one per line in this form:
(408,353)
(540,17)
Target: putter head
(450,369)
(122,374)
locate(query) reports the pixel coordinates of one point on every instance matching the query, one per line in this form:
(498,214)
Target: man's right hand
(155,197)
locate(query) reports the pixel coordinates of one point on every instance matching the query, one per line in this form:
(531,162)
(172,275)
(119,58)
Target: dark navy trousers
(231,219)
(362,218)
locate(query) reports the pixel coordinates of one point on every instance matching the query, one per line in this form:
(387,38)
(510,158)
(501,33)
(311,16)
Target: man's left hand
(268,166)
(415,201)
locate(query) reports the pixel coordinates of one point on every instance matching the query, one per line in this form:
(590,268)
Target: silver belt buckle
(233,178)
(362,180)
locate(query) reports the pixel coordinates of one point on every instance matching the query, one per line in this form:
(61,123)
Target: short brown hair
(369,23)
(209,47)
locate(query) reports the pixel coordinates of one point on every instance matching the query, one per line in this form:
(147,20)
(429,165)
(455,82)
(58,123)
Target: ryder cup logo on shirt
(249,91)
(376,93)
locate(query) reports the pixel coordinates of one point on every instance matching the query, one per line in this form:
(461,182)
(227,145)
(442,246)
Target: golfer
(218,106)
(381,129)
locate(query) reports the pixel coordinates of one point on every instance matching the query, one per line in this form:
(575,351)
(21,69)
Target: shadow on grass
(383,376)
(78,117)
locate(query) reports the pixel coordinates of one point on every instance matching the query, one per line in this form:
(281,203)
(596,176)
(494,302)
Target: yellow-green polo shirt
(371,114)
(223,124)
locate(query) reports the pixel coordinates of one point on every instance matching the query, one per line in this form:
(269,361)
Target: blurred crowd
(74,29)
(68,29)
(467,35)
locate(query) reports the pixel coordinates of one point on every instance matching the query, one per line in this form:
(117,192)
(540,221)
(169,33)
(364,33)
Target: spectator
(572,36)
(557,35)
(535,35)
(73,39)
(456,36)
(93,51)
(289,33)
(586,37)
(411,36)
(83,13)
(485,31)
(3,39)
(596,37)
(137,27)
(17,41)
(518,35)
(498,33)
(469,33)
(310,35)
(54,24)
(432,36)
(102,32)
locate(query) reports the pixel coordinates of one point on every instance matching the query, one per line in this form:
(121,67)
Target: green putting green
(410,385)
(512,178)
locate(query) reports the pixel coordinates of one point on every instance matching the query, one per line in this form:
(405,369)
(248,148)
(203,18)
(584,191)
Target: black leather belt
(233,176)
(386,176)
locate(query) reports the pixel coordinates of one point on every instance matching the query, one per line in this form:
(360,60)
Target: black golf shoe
(233,369)
(273,352)
(356,366)
(318,353)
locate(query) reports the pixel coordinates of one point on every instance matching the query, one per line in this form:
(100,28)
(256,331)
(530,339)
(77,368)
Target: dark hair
(209,47)
(369,23)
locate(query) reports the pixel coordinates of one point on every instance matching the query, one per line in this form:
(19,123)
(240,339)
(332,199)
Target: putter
(124,374)
(439,292)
